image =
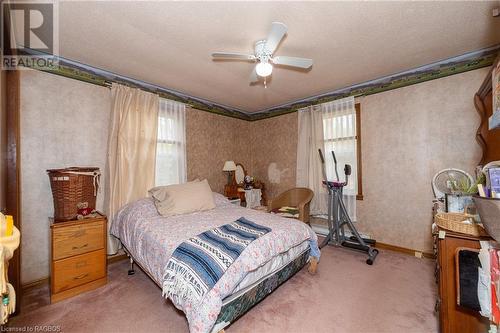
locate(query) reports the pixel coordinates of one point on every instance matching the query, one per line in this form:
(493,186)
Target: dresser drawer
(78,270)
(77,239)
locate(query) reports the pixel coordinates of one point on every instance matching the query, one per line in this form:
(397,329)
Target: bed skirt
(240,305)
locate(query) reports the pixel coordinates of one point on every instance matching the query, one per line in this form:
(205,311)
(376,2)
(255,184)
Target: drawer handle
(79,233)
(79,277)
(80,247)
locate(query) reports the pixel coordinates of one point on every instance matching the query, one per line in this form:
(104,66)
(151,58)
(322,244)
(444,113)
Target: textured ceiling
(169,43)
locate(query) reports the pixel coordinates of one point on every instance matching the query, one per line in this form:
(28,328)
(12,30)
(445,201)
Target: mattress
(151,239)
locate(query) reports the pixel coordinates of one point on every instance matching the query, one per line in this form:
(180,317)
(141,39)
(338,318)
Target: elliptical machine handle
(323,167)
(335,162)
(321,156)
(334,159)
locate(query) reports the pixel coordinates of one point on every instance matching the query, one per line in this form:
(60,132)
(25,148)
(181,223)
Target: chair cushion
(287,211)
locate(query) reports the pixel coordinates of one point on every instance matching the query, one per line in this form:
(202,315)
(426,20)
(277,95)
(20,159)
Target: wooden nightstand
(78,257)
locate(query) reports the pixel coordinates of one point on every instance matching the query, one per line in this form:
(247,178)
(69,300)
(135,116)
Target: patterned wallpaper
(408,135)
(211,140)
(267,149)
(63,123)
(274,152)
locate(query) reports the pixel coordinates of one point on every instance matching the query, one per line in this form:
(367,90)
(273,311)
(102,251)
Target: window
(341,132)
(171,143)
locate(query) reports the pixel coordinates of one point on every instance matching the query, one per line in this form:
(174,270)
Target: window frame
(357,137)
(179,143)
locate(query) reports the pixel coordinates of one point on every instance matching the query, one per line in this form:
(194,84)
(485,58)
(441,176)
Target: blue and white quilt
(198,263)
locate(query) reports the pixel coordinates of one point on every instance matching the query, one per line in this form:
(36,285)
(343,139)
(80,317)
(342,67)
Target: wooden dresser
(452,317)
(78,257)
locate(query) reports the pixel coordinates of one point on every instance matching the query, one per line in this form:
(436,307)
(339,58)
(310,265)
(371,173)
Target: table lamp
(229,167)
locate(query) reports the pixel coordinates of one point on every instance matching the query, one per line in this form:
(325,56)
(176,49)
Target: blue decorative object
(494,121)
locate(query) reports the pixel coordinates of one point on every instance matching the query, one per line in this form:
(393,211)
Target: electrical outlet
(418,254)
(496,12)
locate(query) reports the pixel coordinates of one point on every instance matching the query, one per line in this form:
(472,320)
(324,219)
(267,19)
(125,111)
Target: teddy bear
(84,210)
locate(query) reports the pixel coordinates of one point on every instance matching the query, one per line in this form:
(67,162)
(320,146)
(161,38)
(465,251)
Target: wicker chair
(299,197)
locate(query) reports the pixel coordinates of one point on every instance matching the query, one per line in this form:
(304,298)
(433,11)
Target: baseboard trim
(36,283)
(45,280)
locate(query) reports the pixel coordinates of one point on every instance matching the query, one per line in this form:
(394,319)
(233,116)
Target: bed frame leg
(131,270)
(313,265)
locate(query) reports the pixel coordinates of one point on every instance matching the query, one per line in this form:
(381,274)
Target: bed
(150,240)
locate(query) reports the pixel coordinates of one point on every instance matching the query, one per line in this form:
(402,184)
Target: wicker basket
(72,186)
(454,222)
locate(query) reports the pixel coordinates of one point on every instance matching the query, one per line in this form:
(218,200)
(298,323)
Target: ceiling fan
(263,55)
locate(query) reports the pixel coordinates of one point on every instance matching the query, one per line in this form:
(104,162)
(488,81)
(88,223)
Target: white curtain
(339,126)
(171,144)
(329,126)
(131,148)
(309,169)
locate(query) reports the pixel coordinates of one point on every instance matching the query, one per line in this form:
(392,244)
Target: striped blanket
(198,263)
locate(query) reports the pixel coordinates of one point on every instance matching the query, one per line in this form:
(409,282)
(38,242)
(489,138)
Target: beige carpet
(396,294)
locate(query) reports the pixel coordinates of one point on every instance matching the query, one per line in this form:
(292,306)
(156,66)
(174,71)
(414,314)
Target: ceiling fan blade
(233,55)
(278,31)
(293,61)
(254,77)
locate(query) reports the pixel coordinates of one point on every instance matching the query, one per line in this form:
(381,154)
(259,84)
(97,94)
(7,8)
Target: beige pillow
(159,193)
(184,198)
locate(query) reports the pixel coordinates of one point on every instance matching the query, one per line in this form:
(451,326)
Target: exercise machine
(338,217)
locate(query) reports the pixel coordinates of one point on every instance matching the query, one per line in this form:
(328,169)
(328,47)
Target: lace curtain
(329,126)
(171,144)
(339,127)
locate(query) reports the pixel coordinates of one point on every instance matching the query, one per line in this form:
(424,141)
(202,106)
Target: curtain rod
(109,84)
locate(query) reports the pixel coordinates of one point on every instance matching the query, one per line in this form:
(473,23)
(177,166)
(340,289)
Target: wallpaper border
(455,65)
(451,66)
(86,73)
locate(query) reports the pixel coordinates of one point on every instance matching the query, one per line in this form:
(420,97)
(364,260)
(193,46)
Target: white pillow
(183,198)
(220,200)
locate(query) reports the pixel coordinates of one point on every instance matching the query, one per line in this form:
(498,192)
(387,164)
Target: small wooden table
(78,257)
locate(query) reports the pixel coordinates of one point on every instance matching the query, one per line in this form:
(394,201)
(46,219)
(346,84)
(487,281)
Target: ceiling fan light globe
(264,69)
